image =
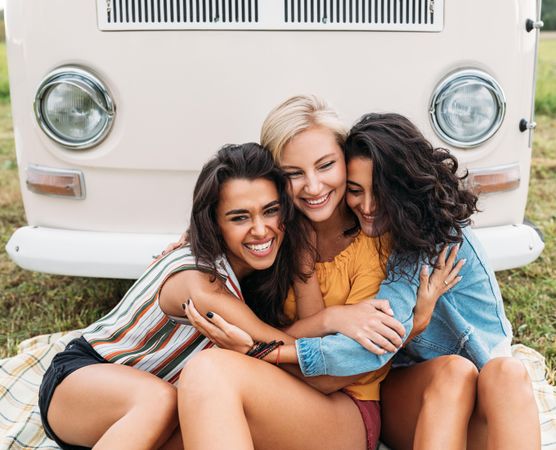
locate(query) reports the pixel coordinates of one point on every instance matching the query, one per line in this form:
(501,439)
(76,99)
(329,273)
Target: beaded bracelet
(260,349)
(254,348)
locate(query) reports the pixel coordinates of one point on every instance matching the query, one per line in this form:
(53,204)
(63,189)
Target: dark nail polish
(183,305)
(210,314)
(188,301)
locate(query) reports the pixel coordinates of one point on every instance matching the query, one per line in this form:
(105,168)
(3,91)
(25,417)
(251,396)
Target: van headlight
(467,108)
(74,108)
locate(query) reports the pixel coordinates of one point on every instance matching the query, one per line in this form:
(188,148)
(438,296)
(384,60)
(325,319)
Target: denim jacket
(468,320)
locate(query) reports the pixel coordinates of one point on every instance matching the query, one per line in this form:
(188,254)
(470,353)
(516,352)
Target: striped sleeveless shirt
(138,333)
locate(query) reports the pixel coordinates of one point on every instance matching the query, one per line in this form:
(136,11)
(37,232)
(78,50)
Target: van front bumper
(86,253)
(126,255)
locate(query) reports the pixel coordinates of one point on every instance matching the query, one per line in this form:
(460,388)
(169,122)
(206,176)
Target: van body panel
(181,94)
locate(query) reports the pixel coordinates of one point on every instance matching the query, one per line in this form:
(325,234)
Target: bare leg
(428,405)
(228,400)
(506,415)
(175,442)
(113,406)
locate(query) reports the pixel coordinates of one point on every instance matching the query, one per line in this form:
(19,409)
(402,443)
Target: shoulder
(185,273)
(471,247)
(194,282)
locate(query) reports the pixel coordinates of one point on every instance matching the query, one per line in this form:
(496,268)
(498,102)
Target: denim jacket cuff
(310,356)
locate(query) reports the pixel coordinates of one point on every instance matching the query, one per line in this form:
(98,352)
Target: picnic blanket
(20,378)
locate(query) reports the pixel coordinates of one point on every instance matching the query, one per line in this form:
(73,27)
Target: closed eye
(327,165)
(294,174)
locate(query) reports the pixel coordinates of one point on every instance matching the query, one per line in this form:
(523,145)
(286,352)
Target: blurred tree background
(548,14)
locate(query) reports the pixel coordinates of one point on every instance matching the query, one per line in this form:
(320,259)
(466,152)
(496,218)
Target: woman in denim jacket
(398,182)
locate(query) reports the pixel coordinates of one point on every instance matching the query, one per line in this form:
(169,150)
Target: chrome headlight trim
(458,79)
(83,79)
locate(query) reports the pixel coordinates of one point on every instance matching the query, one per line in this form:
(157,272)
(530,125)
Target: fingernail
(391,311)
(210,314)
(183,305)
(188,301)
(464,261)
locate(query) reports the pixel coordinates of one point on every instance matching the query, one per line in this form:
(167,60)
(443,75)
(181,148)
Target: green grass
(530,292)
(4,84)
(33,303)
(545,99)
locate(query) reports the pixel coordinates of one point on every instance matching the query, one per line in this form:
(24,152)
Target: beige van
(117,104)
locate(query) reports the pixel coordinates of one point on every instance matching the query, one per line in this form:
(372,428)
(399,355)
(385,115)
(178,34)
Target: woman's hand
(443,278)
(371,324)
(184,239)
(216,329)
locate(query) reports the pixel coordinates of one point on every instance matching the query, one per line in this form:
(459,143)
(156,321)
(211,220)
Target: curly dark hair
(419,197)
(264,290)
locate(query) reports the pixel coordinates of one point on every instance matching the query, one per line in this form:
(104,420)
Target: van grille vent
(359,11)
(380,15)
(183,12)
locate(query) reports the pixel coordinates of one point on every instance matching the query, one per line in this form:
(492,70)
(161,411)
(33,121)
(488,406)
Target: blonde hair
(296,115)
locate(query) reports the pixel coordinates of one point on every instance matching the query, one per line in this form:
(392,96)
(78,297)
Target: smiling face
(315,165)
(359,194)
(248,216)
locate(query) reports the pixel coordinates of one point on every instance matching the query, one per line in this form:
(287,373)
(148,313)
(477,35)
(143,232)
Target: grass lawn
(545,100)
(4,85)
(33,303)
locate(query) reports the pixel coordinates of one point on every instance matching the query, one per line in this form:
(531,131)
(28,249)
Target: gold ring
(445,282)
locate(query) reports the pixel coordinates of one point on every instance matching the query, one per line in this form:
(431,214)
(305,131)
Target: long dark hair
(264,290)
(418,195)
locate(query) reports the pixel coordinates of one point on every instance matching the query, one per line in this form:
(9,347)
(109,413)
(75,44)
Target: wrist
(420,322)
(329,320)
(288,355)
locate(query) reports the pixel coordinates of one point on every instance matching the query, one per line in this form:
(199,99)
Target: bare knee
(505,377)
(160,402)
(206,373)
(455,379)
(203,368)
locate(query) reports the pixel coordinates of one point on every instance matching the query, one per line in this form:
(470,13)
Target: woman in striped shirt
(113,387)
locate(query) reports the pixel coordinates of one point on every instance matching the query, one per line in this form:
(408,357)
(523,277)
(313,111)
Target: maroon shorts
(370,412)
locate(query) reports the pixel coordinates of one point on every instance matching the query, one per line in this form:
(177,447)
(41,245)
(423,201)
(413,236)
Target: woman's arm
(341,356)
(370,323)
(444,278)
(308,297)
(213,296)
(228,336)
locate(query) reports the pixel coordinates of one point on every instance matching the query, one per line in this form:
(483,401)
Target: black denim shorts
(78,353)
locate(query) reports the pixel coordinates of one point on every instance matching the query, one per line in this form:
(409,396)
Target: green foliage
(548,14)
(545,99)
(4,83)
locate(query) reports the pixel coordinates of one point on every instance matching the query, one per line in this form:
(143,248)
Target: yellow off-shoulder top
(352,276)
